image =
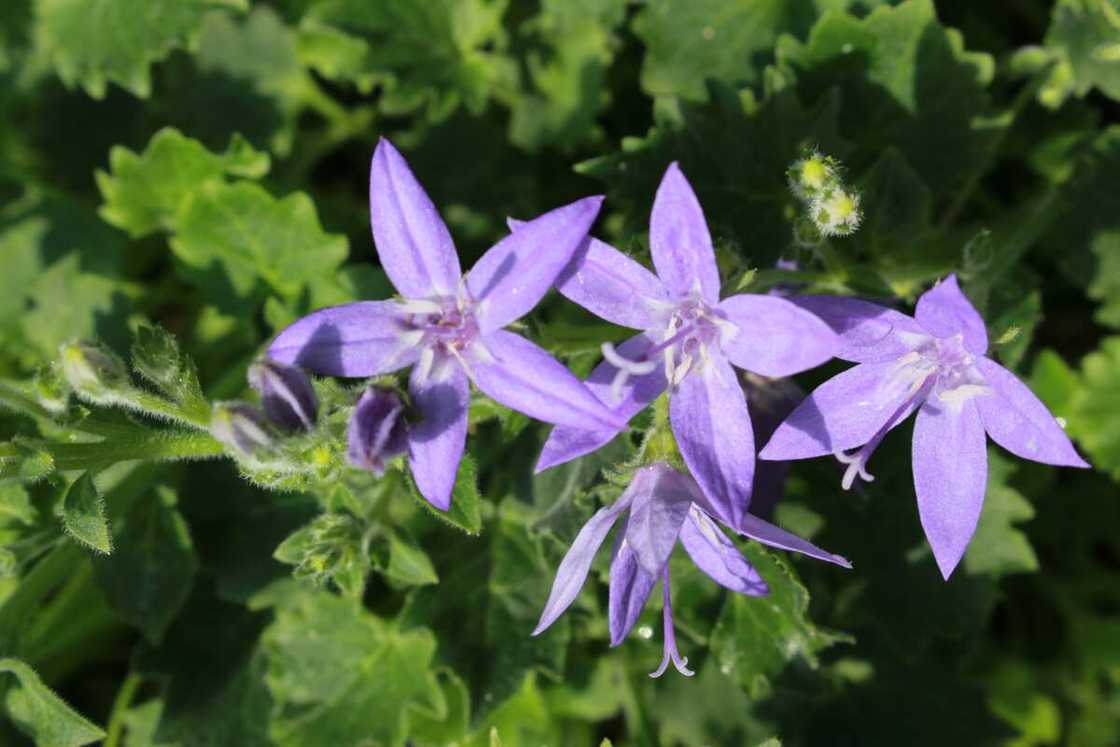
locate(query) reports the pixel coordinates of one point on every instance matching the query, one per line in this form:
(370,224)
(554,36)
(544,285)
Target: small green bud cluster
(331,549)
(833,209)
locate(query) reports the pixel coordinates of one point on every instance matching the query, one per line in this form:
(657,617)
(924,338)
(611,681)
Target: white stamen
(626,369)
(420,306)
(856,468)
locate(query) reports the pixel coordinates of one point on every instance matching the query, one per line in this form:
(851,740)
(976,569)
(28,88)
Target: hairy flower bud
(837,212)
(94,372)
(378,431)
(241,427)
(812,175)
(286,393)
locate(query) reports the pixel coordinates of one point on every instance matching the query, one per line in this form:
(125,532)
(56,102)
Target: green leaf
(146,192)
(689,42)
(754,638)
(466,502)
(234,238)
(157,358)
(905,81)
(95,42)
(41,714)
(998,547)
(1093,418)
(340,676)
(431,56)
(83,515)
(566,77)
(1083,39)
(148,577)
(408,564)
(15,504)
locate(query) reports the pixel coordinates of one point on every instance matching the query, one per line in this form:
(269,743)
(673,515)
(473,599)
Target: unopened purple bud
(241,426)
(286,393)
(378,431)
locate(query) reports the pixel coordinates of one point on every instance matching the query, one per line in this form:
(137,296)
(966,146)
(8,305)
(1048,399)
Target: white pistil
(856,468)
(626,369)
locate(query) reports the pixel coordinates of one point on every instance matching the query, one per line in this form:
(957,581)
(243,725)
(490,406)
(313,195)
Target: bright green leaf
(466,508)
(998,547)
(41,714)
(83,515)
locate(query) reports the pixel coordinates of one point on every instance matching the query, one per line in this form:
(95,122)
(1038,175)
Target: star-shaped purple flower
(662,507)
(933,362)
(690,342)
(449,325)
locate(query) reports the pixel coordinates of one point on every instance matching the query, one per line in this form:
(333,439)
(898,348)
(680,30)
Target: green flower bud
(242,427)
(94,372)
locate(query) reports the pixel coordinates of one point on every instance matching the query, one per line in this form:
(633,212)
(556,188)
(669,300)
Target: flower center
(446,323)
(958,380)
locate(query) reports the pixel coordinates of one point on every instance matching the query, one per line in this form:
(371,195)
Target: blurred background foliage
(203,164)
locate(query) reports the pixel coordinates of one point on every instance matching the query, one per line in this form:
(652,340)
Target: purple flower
(449,325)
(934,363)
(690,342)
(287,396)
(377,431)
(662,507)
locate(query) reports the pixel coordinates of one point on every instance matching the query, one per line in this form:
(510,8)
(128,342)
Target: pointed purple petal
(515,372)
(629,589)
(708,412)
(869,333)
(774,337)
(718,557)
(768,534)
(1019,422)
(509,280)
(367,338)
(844,412)
(656,516)
(679,240)
(614,287)
(944,311)
(412,241)
(435,444)
(950,476)
(566,443)
(577,562)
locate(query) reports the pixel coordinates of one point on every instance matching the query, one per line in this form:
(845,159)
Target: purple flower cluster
(449,327)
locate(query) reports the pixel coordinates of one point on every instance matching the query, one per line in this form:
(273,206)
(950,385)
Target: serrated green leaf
(566,78)
(450,725)
(148,577)
(408,564)
(754,638)
(466,509)
(96,42)
(689,42)
(998,547)
(1093,420)
(83,515)
(146,192)
(236,238)
(41,714)
(1082,37)
(340,676)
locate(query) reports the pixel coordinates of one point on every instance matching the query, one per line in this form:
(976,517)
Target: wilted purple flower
(377,430)
(663,506)
(449,325)
(287,396)
(690,342)
(241,426)
(934,363)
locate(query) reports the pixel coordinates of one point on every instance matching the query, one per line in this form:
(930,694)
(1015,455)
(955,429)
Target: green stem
(121,705)
(155,405)
(150,446)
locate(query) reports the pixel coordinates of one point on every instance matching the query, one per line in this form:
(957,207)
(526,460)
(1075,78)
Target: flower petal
(656,515)
(629,589)
(413,243)
(950,476)
(844,412)
(708,412)
(515,372)
(435,444)
(566,443)
(577,562)
(509,280)
(679,240)
(367,338)
(775,337)
(1019,422)
(614,287)
(944,311)
(718,557)
(774,536)
(869,333)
